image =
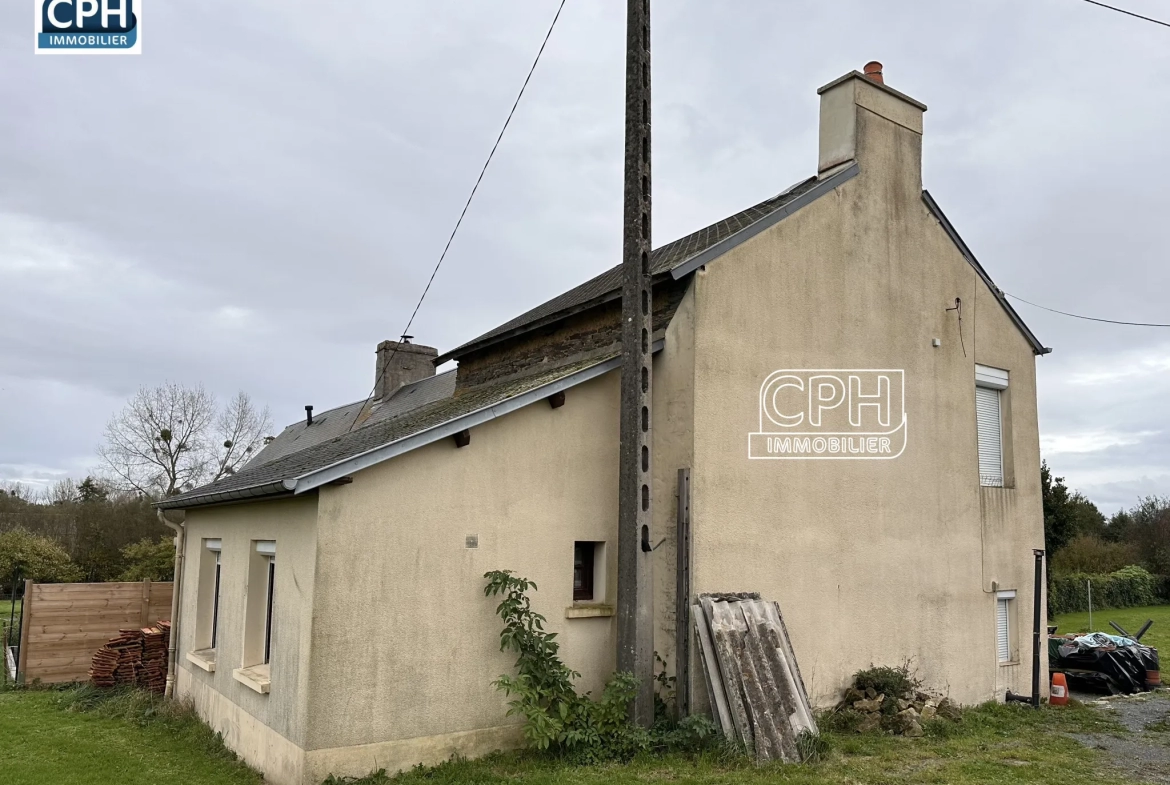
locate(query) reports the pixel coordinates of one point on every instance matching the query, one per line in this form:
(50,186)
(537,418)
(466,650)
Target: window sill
(1009,663)
(203,659)
(588,610)
(255,678)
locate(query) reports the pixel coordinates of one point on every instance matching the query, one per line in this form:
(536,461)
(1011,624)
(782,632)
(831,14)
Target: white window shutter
(987,419)
(1002,631)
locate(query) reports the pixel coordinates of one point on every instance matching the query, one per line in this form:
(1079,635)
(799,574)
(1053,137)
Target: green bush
(36,558)
(1126,588)
(891,682)
(1089,554)
(149,559)
(1162,588)
(559,720)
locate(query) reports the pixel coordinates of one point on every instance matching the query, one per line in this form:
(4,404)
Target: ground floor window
(258,614)
(588,571)
(1004,616)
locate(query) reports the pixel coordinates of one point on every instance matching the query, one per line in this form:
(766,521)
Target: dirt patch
(1142,752)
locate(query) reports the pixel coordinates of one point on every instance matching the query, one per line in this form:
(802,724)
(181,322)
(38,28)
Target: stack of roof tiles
(136,657)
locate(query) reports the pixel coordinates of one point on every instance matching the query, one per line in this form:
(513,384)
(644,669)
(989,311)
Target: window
(588,572)
(207,604)
(258,613)
(990,384)
(268,609)
(215,602)
(1004,645)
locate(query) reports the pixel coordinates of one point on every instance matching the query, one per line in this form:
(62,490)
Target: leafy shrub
(1089,554)
(148,558)
(1162,588)
(1128,587)
(556,718)
(891,682)
(37,558)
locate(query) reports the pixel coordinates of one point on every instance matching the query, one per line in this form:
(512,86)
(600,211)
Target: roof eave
(279,488)
(1037,347)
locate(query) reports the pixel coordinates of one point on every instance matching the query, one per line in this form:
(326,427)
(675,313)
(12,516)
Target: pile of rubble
(901,714)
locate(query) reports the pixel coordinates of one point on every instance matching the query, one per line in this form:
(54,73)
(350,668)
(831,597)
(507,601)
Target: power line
(1089,318)
(1128,13)
(462,214)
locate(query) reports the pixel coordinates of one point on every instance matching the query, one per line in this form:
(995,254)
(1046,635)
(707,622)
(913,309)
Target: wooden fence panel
(65,623)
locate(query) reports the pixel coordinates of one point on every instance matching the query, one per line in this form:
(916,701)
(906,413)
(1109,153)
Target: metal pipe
(1036,628)
(176,590)
(1034,699)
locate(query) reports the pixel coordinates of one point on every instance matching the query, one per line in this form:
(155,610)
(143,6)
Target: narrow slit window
(268,609)
(215,601)
(583,571)
(1004,602)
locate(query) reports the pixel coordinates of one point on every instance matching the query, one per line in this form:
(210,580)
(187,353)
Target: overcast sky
(257,200)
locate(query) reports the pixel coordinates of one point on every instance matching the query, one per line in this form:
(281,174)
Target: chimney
(401,363)
(865,120)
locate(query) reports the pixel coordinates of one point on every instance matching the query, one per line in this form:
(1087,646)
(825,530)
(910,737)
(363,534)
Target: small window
(588,572)
(258,621)
(268,609)
(215,602)
(990,384)
(207,600)
(1004,616)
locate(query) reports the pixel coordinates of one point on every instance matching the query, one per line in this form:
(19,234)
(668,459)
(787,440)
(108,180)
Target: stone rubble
(901,715)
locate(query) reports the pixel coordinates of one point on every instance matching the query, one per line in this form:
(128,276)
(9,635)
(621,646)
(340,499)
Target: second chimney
(400,363)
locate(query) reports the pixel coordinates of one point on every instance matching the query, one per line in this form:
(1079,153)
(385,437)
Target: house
(852,396)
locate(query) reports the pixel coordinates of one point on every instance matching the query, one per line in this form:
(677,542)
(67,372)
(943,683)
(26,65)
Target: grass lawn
(1131,619)
(10,606)
(993,744)
(45,744)
(77,737)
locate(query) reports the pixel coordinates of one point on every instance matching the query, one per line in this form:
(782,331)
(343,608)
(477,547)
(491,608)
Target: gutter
(236,494)
(176,591)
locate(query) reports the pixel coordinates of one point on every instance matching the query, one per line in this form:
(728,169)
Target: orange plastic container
(1058,692)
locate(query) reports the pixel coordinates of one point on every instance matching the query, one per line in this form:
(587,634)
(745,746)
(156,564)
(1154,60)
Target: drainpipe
(180,549)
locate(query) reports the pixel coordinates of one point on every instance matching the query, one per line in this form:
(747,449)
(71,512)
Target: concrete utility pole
(635,603)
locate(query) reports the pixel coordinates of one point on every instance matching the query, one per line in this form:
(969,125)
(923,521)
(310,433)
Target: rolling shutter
(1002,631)
(987,418)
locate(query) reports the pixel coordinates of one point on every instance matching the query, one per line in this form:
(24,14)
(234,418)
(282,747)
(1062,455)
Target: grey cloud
(259,198)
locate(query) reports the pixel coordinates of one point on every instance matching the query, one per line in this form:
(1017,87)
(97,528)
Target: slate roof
(336,422)
(301,449)
(662,260)
(267,478)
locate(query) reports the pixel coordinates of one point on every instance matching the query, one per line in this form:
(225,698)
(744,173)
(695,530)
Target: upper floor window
(990,385)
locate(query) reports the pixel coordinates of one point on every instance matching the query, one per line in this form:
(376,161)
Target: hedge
(1129,587)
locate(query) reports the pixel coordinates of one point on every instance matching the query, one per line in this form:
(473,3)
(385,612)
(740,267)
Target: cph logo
(74,27)
(831,414)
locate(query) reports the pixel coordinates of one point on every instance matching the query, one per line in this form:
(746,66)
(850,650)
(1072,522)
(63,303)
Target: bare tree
(241,429)
(167,439)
